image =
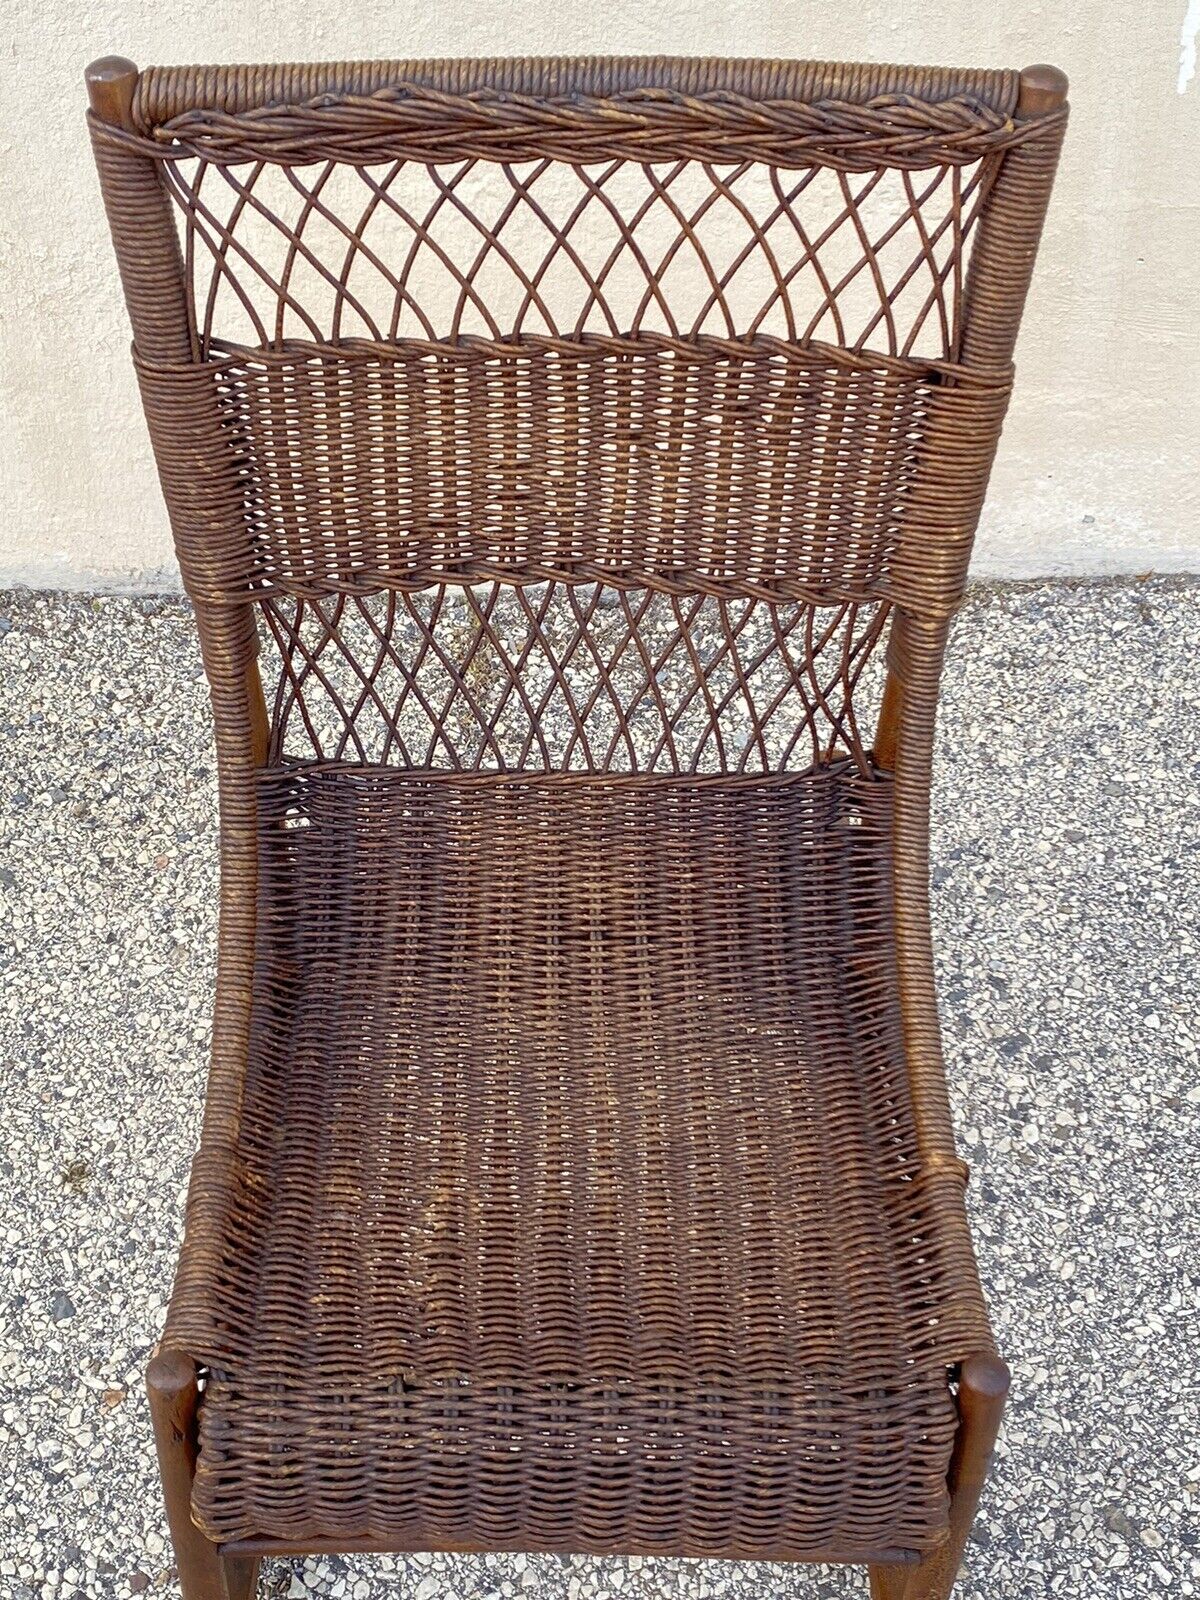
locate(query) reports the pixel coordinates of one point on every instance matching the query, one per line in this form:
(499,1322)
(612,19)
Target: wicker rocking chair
(550,447)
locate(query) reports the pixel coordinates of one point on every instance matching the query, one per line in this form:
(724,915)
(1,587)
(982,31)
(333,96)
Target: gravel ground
(1067,907)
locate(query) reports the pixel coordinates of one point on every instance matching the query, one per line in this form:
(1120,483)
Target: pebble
(62,1307)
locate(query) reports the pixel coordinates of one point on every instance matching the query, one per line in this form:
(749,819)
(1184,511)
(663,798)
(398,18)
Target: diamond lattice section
(332,251)
(574,678)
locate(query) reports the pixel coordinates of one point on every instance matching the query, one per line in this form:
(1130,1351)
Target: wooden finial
(1043,89)
(111,82)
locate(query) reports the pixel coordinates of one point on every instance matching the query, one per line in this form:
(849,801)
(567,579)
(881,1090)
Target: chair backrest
(574,415)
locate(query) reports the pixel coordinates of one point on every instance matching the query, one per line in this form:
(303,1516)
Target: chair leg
(204,1574)
(982,1390)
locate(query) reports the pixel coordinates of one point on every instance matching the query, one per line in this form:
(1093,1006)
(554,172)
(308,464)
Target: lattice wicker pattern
(404,249)
(567,678)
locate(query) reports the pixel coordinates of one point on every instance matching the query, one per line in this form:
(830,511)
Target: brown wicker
(577,1170)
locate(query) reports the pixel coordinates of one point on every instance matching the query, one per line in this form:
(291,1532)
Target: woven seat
(623,1246)
(574,467)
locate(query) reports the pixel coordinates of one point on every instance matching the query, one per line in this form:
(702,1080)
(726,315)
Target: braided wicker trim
(409,122)
(166,92)
(701,348)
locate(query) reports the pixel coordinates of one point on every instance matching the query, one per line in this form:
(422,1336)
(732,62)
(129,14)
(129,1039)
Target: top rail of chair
(578,110)
(162,94)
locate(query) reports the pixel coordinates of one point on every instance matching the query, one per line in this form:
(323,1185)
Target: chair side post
(982,1392)
(151,266)
(203,1573)
(998,282)
(152,276)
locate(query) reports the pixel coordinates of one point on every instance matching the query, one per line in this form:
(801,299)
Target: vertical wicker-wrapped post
(1001,269)
(152,276)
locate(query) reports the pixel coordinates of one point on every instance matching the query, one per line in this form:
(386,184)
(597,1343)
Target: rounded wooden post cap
(986,1376)
(170,1372)
(1043,88)
(111,82)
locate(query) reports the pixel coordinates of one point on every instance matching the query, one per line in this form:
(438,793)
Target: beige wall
(1099,466)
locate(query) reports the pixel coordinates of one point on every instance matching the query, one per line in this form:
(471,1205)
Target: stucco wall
(1098,471)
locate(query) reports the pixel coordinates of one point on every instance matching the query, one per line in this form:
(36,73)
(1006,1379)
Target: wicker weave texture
(623,1247)
(718,470)
(550,446)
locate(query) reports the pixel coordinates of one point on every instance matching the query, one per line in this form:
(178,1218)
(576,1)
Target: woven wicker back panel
(627,346)
(539,367)
(631,458)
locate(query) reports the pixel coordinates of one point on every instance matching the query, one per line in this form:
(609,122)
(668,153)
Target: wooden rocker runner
(574,466)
